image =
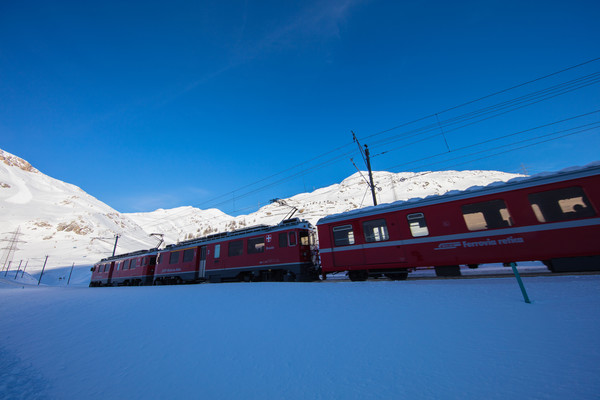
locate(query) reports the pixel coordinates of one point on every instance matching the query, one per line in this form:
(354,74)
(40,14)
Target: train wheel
(397,276)
(358,276)
(447,270)
(289,277)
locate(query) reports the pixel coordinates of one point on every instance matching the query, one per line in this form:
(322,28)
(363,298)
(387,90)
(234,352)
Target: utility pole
(69,281)
(12,247)
(18,269)
(43,268)
(367,158)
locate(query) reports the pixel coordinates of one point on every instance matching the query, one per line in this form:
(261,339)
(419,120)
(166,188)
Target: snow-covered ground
(442,339)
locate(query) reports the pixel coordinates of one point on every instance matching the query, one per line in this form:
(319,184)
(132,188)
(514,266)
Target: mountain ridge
(61,220)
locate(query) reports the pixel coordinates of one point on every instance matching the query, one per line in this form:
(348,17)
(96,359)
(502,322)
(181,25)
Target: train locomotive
(284,252)
(553,218)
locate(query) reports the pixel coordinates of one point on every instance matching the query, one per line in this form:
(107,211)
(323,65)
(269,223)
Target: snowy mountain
(40,215)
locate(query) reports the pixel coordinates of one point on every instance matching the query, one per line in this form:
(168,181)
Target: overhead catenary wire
(545,138)
(516,103)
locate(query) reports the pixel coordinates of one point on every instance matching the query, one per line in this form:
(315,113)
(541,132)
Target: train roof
(474,191)
(128,255)
(252,230)
(287,223)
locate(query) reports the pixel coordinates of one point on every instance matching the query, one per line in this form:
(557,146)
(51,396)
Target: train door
(202,263)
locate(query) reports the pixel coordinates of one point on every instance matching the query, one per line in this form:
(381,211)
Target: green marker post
(514,268)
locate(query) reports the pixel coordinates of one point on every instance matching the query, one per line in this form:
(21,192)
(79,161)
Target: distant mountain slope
(352,193)
(61,220)
(57,219)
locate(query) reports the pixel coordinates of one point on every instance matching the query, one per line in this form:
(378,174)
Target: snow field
(450,339)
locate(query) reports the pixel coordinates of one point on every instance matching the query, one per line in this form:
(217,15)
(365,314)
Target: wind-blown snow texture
(446,339)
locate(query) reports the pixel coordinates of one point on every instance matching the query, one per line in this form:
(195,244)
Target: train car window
(304,241)
(486,215)
(188,255)
(343,235)
(561,204)
(134,263)
(417,224)
(174,257)
(375,231)
(292,237)
(236,248)
(283,242)
(125,265)
(256,245)
(153,260)
(217,250)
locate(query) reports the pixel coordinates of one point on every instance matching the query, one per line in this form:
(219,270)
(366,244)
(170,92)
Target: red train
(552,218)
(284,252)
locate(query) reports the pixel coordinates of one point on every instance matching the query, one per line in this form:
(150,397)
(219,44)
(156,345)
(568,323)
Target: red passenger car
(134,269)
(102,273)
(131,269)
(272,253)
(552,218)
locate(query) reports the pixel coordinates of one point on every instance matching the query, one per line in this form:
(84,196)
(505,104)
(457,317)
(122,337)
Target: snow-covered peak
(60,220)
(13,161)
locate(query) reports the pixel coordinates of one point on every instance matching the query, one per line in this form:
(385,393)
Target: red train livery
(132,269)
(260,253)
(553,218)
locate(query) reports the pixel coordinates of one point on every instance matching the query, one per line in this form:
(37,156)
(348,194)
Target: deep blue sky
(161,104)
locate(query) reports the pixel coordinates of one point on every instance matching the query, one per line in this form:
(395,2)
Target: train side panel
(546,222)
(263,253)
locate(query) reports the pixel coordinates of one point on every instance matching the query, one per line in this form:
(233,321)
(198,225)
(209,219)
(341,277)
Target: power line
(507,106)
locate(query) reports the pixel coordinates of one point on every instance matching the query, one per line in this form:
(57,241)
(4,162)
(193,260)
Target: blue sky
(151,104)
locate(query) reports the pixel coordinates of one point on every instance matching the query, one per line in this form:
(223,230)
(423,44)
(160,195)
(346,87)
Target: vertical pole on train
(72,266)
(514,268)
(7,268)
(43,268)
(117,236)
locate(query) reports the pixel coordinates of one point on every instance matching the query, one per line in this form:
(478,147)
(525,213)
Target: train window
(283,242)
(375,231)
(304,241)
(292,240)
(561,204)
(236,248)
(188,255)
(256,245)
(134,264)
(343,235)
(217,250)
(125,265)
(486,215)
(174,257)
(417,224)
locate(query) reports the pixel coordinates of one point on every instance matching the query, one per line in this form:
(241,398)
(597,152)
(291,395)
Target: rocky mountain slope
(40,215)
